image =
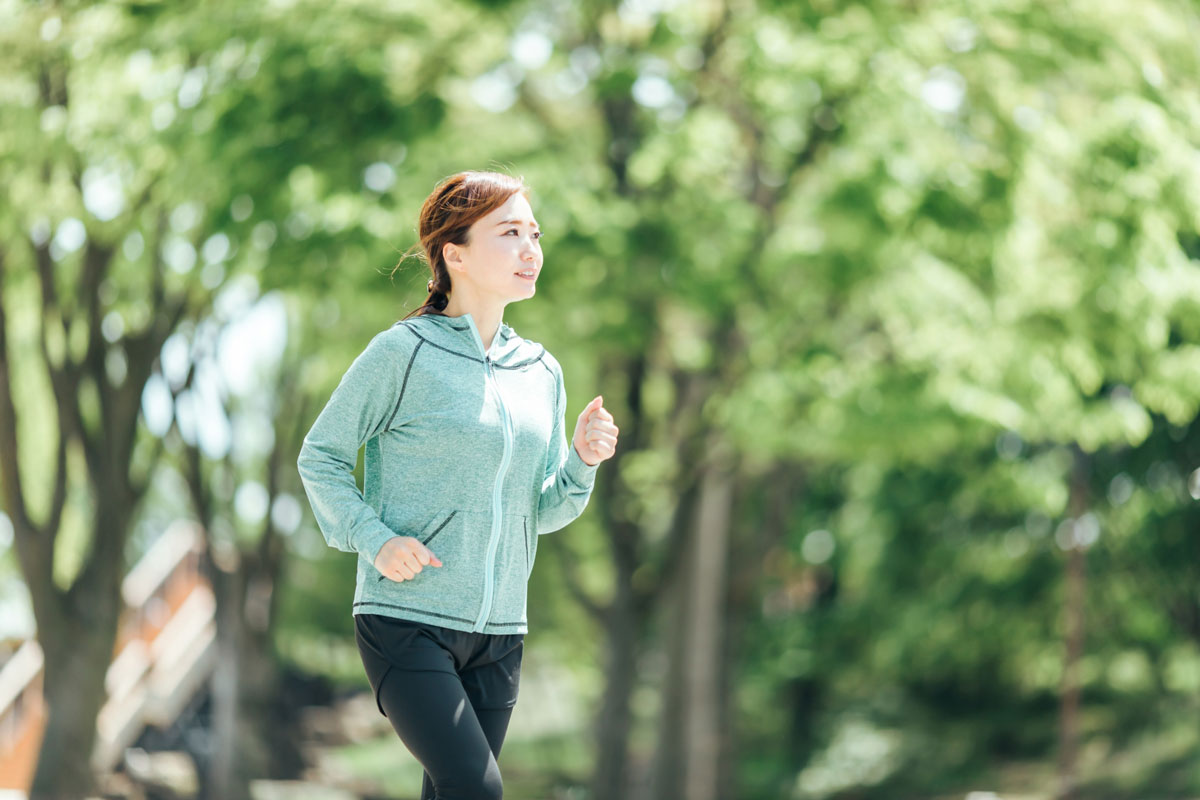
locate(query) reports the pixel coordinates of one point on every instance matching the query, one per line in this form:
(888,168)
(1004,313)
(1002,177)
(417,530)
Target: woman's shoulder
(399,335)
(387,345)
(526,350)
(547,357)
(537,351)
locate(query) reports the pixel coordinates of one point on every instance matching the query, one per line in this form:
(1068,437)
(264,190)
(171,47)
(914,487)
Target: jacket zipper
(497,504)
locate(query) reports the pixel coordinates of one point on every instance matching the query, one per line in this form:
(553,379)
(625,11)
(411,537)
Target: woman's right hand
(402,557)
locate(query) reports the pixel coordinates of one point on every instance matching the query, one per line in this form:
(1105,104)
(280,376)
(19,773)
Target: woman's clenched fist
(402,557)
(595,436)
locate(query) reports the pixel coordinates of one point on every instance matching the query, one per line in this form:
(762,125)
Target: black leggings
(448,694)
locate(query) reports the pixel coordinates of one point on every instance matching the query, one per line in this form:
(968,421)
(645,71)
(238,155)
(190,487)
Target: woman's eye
(536,234)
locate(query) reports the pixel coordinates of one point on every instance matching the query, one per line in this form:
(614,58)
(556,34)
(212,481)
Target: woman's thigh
(494,722)
(456,745)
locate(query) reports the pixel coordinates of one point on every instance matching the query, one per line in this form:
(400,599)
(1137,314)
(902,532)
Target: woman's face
(501,246)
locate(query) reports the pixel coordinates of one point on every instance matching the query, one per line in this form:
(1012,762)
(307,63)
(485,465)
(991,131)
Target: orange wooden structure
(164,654)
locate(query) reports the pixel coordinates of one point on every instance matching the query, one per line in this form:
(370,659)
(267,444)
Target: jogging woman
(466,464)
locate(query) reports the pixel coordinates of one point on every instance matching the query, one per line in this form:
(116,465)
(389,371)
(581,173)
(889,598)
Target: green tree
(151,154)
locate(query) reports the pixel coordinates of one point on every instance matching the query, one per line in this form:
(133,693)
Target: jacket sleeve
(362,406)
(568,481)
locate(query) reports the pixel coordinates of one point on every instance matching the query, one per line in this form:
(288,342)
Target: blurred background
(897,305)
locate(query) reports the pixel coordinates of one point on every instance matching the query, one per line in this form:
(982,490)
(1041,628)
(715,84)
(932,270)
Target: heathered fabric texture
(466,449)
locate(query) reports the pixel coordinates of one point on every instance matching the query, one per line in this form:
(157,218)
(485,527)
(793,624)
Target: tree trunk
(73,687)
(227,773)
(728,649)
(668,765)
(252,735)
(763,504)
(624,618)
(251,722)
(690,734)
(77,627)
(610,781)
(77,637)
(1073,615)
(704,624)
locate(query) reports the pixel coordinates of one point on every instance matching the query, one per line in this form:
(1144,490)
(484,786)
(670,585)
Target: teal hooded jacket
(466,450)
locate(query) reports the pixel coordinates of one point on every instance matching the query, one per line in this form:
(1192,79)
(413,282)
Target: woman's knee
(492,787)
(487,786)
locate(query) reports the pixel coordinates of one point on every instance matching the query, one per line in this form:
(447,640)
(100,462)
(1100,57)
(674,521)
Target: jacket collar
(460,335)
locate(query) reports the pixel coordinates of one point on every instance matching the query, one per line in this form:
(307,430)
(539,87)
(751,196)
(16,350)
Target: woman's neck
(487,316)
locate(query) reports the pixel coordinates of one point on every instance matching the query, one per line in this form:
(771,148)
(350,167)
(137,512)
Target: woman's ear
(452,254)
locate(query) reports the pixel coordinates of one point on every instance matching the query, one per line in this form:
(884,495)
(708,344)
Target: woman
(466,464)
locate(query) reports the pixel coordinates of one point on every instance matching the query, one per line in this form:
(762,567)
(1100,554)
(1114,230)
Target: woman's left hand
(595,436)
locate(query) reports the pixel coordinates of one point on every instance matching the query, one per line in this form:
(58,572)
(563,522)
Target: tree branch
(269,542)
(64,381)
(575,585)
(10,463)
(97,444)
(157,268)
(35,548)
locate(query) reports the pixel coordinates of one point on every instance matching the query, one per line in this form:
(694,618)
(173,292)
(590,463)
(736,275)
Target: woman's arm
(363,405)
(568,481)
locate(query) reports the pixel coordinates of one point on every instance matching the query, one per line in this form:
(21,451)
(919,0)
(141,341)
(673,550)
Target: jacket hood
(460,335)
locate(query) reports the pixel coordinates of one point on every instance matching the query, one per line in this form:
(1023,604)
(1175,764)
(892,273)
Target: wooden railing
(22,716)
(164,654)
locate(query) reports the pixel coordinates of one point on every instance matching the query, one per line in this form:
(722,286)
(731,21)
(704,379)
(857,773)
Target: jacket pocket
(425,537)
(530,547)
(514,555)
(455,590)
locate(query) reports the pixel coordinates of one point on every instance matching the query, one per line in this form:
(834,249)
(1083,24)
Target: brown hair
(455,204)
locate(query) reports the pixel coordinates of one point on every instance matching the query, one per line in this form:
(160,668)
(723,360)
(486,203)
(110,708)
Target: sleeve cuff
(369,544)
(577,470)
